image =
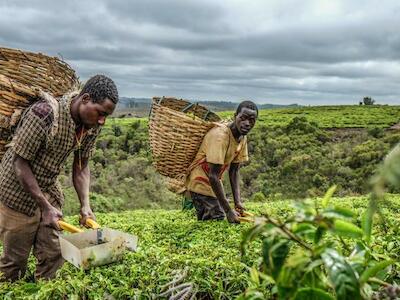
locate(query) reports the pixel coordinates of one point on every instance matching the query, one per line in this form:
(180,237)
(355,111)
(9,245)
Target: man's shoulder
(43,111)
(220,130)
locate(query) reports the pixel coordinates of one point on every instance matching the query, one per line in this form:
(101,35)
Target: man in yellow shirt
(223,147)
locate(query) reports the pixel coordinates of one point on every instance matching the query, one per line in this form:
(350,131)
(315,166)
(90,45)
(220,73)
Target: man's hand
(86,213)
(51,216)
(232,216)
(239,207)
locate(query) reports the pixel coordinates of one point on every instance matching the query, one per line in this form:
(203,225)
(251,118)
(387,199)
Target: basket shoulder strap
(55,106)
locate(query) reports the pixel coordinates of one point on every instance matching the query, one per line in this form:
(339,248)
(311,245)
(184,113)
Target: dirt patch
(395,127)
(341,134)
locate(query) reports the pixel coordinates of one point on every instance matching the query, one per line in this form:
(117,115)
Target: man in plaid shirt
(30,195)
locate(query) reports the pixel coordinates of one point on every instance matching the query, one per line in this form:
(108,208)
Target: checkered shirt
(45,151)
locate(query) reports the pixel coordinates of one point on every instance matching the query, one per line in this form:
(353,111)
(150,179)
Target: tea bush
(210,251)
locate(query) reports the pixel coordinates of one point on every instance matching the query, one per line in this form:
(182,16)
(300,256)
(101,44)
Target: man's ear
(85,98)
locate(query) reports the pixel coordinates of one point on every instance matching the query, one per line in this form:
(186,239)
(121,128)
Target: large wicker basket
(22,76)
(176,130)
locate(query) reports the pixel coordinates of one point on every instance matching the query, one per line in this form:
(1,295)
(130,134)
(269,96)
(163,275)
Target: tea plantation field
(354,116)
(172,241)
(346,116)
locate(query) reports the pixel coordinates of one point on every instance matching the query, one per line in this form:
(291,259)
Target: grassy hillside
(378,116)
(295,159)
(174,240)
(140,107)
(354,116)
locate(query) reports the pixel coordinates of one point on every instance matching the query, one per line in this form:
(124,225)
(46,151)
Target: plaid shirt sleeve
(32,133)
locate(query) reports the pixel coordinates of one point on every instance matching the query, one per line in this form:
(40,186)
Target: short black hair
(246,104)
(100,87)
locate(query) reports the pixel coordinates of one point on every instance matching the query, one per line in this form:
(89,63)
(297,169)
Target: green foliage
(293,158)
(136,182)
(356,270)
(168,241)
(368,101)
(122,172)
(258,197)
(290,256)
(346,229)
(318,253)
(303,160)
(342,276)
(312,294)
(390,170)
(98,202)
(274,254)
(370,116)
(376,132)
(372,271)
(328,196)
(173,240)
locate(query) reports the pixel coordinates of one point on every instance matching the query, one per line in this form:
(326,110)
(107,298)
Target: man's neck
(235,132)
(74,106)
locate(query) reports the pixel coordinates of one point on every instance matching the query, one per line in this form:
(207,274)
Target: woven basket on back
(176,130)
(22,76)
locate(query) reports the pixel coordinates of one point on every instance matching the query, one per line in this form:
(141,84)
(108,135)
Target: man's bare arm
(234,179)
(81,181)
(25,176)
(219,192)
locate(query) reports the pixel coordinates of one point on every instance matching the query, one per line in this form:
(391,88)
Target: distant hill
(141,106)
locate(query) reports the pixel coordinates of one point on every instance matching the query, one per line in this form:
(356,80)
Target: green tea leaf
(366,221)
(254,276)
(266,246)
(347,229)
(328,196)
(297,259)
(274,254)
(342,277)
(339,212)
(30,288)
(391,166)
(372,271)
(250,235)
(303,228)
(314,264)
(279,253)
(319,234)
(312,294)
(290,278)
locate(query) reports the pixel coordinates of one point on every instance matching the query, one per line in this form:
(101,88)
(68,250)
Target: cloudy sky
(271,51)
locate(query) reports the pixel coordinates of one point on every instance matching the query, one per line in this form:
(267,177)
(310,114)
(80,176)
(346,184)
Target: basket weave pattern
(175,136)
(22,76)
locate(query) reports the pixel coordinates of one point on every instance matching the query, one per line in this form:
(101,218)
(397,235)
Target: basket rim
(181,113)
(25,56)
(187,119)
(34,54)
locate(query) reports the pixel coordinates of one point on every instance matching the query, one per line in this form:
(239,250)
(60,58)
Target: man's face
(93,114)
(245,120)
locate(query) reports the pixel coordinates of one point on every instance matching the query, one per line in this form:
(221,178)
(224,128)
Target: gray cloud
(319,52)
